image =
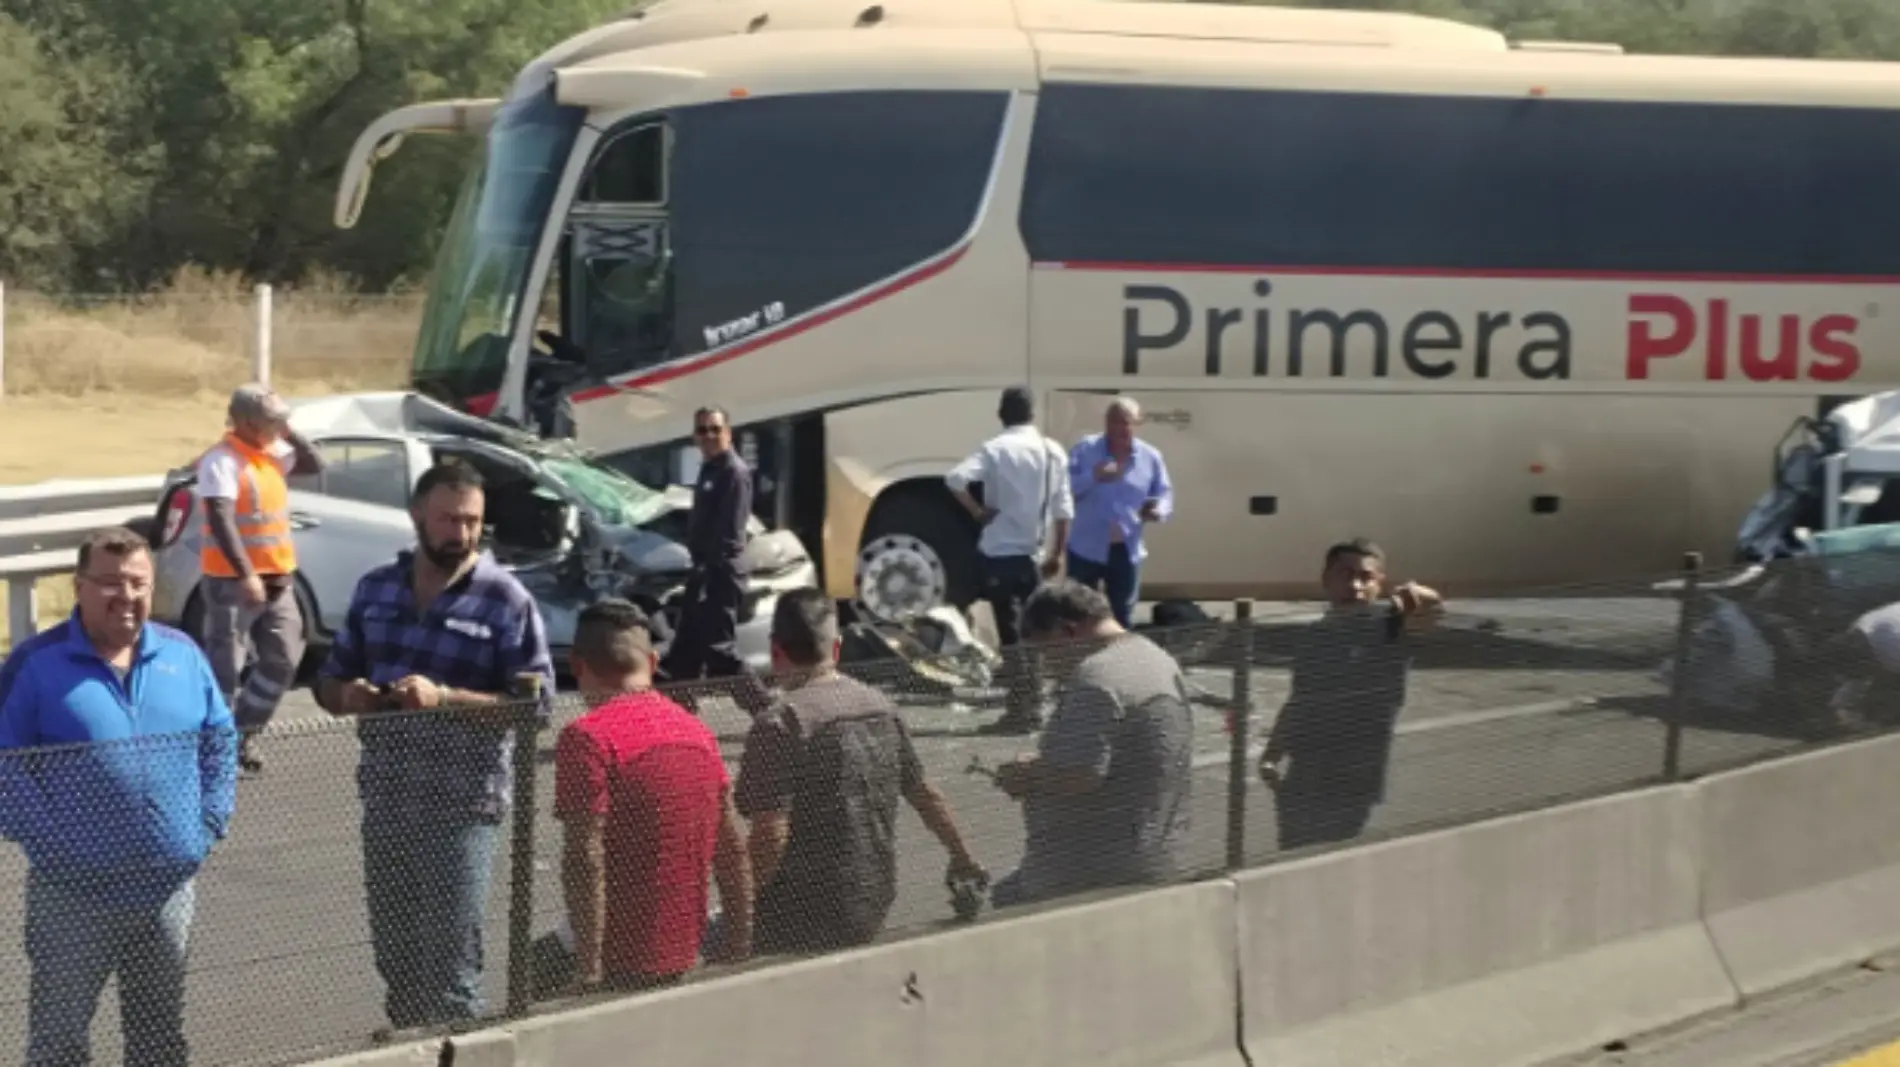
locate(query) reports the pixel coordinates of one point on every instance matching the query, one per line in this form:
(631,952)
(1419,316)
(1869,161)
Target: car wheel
(919,553)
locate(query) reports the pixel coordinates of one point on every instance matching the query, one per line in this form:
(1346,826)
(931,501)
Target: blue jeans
(75,944)
(1120,577)
(426,877)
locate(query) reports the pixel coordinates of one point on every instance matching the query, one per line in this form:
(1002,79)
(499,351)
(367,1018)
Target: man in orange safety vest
(248,560)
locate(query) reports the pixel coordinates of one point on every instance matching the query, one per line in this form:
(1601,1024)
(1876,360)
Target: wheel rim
(899,577)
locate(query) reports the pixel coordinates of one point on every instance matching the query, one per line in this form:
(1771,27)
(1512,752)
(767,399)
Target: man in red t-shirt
(647,808)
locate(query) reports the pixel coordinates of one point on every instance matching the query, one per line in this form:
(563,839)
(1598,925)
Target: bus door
(619,273)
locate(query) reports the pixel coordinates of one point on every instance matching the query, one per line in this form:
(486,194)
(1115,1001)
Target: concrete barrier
(1147,980)
(1801,865)
(414,1054)
(1503,943)
(483,1048)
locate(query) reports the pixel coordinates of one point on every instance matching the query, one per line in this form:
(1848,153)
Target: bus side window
(630,168)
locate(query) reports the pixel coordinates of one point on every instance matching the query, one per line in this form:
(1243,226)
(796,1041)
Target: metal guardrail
(42,524)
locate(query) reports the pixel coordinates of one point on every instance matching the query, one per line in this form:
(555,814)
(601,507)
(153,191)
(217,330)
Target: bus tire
(918,552)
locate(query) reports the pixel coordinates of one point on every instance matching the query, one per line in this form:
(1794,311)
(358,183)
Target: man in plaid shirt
(426,660)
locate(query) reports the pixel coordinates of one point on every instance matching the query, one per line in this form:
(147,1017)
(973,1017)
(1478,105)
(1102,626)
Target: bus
(1531,314)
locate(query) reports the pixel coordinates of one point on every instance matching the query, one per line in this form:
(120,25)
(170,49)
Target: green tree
(63,187)
(251,108)
(140,136)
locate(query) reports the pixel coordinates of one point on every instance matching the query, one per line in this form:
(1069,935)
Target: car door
(354,515)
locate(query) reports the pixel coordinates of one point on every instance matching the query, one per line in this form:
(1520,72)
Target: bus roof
(673,21)
(677,52)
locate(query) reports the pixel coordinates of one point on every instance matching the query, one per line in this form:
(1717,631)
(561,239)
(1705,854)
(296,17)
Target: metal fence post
(260,335)
(1239,726)
(23,607)
(527,726)
(1678,688)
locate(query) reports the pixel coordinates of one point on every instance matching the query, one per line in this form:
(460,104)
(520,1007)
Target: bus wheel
(917,555)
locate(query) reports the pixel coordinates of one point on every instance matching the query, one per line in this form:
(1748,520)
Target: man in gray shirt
(1106,797)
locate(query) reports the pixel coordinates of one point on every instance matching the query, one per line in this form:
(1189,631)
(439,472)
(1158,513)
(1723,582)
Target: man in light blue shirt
(118,771)
(1120,483)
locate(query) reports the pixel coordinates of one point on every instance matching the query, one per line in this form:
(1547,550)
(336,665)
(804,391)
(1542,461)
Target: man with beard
(425,661)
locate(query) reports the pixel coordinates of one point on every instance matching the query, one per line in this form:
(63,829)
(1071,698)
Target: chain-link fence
(372,879)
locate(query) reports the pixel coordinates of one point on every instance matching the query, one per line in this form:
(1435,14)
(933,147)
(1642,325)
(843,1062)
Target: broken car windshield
(620,500)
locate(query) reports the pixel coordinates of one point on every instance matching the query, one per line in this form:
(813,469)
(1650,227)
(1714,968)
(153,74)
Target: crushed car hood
(655,546)
(400,413)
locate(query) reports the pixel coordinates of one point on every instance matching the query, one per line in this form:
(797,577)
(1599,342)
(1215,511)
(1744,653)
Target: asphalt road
(1519,704)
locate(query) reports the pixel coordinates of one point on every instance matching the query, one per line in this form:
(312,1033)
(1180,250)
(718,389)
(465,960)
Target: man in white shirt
(248,561)
(1025,510)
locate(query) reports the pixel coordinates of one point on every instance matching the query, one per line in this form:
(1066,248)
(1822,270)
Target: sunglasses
(707,430)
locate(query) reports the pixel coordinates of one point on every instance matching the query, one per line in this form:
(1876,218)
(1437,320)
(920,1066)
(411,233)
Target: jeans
(74,945)
(426,876)
(1119,578)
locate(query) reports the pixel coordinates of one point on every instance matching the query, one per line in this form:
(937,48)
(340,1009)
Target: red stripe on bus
(1480,273)
(712,359)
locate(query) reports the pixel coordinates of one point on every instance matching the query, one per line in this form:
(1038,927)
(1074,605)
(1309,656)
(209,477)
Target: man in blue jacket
(120,773)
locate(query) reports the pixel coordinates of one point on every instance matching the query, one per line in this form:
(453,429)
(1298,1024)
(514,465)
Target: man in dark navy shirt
(426,661)
(706,642)
(1348,688)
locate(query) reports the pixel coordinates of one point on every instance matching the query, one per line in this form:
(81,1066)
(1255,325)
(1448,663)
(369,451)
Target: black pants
(706,644)
(1328,800)
(1007,583)
(1318,819)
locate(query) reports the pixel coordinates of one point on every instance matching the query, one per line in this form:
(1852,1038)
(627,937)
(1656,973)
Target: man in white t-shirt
(1025,512)
(248,560)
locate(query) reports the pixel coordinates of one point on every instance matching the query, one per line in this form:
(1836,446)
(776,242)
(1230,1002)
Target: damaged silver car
(572,529)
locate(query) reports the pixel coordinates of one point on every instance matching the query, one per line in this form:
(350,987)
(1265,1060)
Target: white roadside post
(3,340)
(23,607)
(260,335)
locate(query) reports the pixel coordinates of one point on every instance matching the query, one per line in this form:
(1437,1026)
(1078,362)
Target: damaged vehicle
(1779,638)
(1834,473)
(572,529)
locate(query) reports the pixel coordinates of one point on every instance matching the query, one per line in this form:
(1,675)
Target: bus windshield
(485,258)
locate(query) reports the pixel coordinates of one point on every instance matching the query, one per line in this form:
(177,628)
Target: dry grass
(56,602)
(100,386)
(195,338)
(105,386)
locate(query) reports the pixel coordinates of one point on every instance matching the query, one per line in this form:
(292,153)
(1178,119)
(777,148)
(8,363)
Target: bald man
(1120,484)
